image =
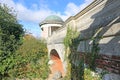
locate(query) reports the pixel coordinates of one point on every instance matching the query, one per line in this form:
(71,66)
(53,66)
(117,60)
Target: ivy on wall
(76,63)
(71,42)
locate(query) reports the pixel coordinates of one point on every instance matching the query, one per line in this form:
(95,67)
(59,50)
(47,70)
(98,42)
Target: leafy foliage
(71,42)
(90,75)
(20,58)
(7,14)
(32,59)
(11,33)
(70,37)
(76,69)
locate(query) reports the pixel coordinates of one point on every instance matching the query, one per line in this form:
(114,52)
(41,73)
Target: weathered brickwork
(109,63)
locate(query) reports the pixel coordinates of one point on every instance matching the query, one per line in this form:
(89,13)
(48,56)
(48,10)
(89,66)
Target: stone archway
(56,65)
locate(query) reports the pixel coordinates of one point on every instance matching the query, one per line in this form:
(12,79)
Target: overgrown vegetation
(93,55)
(11,33)
(91,75)
(20,57)
(76,64)
(71,42)
(32,59)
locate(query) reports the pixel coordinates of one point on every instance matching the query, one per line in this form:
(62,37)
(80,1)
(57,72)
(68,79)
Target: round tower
(49,25)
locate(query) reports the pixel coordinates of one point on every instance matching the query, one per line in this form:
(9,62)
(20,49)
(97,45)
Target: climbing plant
(71,42)
(93,55)
(75,63)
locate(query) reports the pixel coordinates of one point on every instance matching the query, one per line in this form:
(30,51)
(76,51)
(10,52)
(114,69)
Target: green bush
(11,33)
(91,75)
(32,60)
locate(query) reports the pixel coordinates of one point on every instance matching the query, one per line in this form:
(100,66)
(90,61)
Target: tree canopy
(11,33)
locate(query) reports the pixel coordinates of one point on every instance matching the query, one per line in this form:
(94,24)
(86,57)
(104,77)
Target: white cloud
(32,15)
(23,13)
(38,14)
(73,9)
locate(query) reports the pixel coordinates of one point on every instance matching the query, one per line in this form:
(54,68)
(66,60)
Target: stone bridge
(103,14)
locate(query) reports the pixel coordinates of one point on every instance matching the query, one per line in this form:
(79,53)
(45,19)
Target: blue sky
(31,12)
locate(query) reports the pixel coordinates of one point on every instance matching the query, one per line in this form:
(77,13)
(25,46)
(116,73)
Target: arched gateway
(56,65)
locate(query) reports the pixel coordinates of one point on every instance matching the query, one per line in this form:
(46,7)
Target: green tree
(11,33)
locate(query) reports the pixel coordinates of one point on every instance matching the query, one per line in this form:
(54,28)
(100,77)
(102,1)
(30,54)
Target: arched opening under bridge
(56,65)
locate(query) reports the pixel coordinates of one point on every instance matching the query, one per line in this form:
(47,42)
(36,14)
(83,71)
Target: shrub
(32,60)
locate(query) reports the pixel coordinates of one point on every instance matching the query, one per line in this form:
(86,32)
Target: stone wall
(101,14)
(105,15)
